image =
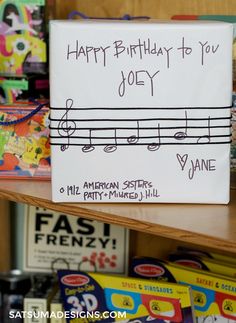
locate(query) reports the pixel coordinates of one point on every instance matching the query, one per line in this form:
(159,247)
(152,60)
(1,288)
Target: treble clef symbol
(66,127)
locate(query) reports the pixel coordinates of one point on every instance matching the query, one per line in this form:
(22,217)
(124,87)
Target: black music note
(180,135)
(66,128)
(112,147)
(88,148)
(155,145)
(134,138)
(208,136)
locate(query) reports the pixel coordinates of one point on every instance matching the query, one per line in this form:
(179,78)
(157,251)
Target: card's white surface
(140,111)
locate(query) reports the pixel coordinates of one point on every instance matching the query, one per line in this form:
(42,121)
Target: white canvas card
(140,111)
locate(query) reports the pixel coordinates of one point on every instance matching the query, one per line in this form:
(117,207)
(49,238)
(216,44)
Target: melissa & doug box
(22,37)
(144,108)
(201,262)
(209,254)
(92,297)
(214,295)
(24,146)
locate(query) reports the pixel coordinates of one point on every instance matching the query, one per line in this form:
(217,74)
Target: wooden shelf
(213,226)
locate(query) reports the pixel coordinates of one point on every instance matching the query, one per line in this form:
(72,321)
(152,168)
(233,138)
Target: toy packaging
(214,295)
(24,147)
(213,255)
(14,89)
(126,106)
(200,262)
(22,37)
(92,297)
(87,245)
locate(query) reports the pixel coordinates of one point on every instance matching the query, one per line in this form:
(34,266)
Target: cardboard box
(143,108)
(214,295)
(226,259)
(24,147)
(205,263)
(92,297)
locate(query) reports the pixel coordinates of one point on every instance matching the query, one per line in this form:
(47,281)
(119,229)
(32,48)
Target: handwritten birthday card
(140,111)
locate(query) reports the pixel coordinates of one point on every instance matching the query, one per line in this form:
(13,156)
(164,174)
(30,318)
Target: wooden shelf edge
(137,225)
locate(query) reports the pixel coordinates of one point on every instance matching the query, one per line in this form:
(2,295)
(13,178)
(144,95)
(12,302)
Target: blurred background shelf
(212,226)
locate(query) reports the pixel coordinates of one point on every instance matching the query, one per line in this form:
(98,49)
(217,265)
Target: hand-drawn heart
(182,160)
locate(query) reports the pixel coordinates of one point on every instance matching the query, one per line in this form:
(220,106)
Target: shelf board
(213,226)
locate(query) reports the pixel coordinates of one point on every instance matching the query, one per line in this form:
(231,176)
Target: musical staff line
(146,143)
(142,119)
(137,127)
(129,141)
(141,108)
(146,128)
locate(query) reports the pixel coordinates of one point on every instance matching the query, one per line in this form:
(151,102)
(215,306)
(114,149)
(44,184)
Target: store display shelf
(213,226)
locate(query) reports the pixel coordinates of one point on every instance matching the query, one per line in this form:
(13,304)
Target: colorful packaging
(199,262)
(24,147)
(209,254)
(214,295)
(92,297)
(22,37)
(13,89)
